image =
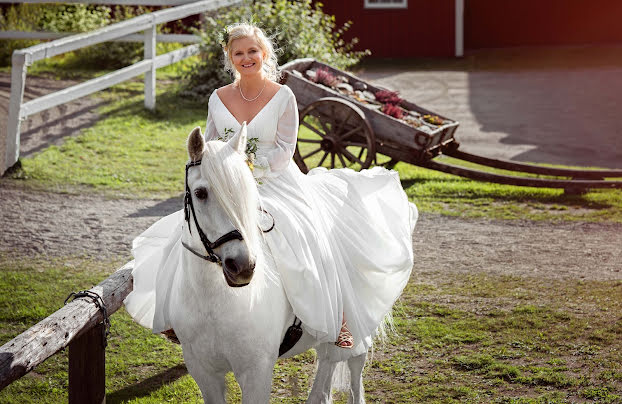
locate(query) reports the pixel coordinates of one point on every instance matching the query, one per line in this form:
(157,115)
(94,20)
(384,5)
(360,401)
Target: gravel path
(53,224)
(34,223)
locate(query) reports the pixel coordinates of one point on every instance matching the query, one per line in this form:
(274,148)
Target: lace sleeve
(274,160)
(210,127)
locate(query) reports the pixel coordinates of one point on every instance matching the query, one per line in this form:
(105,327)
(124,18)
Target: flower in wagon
(388,97)
(393,110)
(433,119)
(323,76)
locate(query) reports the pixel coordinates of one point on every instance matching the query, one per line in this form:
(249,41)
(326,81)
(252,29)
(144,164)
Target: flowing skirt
(341,244)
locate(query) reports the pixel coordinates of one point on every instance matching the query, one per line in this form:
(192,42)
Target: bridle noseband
(209,246)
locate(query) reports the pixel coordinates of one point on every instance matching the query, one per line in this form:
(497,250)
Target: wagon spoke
(351,157)
(343,162)
(314,129)
(342,124)
(322,159)
(352,131)
(312,153)
(361,153)
(326,129)
(332,160)
(304,140)
(323,118)
(355,144)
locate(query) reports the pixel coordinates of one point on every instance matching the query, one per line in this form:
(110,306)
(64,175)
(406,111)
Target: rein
(207,244)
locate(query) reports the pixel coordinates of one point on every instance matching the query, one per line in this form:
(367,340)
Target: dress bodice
(275,128)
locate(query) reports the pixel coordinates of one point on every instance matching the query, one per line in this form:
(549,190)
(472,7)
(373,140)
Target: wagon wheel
(337,135)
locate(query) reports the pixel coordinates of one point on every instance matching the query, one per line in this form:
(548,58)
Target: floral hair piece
(224,37)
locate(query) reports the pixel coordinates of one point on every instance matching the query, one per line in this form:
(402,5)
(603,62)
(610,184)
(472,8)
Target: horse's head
(221,205)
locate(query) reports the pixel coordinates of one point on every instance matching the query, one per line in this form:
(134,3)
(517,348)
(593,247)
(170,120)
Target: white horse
(221,325)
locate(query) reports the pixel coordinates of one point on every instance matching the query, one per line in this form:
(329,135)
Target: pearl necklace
(252,99)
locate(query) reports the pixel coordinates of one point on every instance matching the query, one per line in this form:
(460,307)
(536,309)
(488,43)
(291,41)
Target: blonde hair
(245,30)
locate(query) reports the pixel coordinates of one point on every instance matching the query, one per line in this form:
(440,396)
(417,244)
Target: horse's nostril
(231,265)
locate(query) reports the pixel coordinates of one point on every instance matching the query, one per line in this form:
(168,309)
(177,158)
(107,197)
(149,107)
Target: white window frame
(403,4)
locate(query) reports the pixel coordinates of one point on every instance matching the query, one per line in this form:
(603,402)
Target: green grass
(132,152)
(530,341)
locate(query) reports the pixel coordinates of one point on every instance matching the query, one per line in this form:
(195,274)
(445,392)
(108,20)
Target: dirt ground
(36,223)
(51,126)
(33,222)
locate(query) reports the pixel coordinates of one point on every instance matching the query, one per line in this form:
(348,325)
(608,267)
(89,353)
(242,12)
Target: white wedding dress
(341,241)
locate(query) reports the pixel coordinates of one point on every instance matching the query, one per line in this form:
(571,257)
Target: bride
(341,240)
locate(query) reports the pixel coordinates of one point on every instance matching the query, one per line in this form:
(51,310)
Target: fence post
(459,28)
(19,67)
(87,367)
(150,76)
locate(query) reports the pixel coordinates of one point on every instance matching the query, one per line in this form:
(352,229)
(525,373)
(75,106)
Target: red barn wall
(506,23)
(425,28)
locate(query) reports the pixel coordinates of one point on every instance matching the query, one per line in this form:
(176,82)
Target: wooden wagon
(342,126)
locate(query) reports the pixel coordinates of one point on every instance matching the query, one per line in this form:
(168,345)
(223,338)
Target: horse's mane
(234,186)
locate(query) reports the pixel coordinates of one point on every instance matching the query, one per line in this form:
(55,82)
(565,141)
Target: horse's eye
(200,193)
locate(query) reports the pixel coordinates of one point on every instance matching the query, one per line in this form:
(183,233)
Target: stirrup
(345,339)
(171,336)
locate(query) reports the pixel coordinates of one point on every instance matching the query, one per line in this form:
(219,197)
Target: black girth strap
(292,336)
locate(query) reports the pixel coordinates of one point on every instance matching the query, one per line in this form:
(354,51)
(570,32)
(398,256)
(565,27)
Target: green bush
(84,18)
(299,28)
(23,17)
(72,18)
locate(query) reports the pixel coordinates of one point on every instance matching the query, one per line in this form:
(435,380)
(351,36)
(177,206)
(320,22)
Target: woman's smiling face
(246,55)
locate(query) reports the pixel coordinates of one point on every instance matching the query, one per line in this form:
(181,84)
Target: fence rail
(171,38)
(18,110)
(107,2)
(77,325)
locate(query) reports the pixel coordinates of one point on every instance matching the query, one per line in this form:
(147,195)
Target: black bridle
(209,246)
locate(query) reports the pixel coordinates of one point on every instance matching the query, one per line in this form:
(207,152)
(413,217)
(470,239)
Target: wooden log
(24,352)
(534,169)
(571,185)
(87,367)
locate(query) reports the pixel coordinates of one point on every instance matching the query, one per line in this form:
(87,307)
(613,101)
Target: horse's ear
(238,141)
(195,144)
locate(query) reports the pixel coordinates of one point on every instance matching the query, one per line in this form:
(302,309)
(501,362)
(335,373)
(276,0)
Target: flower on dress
(251,146)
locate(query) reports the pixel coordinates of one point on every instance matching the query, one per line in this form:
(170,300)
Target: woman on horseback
(341,240)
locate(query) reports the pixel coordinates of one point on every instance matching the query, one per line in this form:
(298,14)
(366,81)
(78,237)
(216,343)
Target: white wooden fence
(108,2)
(146,23)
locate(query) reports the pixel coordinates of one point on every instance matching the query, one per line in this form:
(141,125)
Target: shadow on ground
(145,387)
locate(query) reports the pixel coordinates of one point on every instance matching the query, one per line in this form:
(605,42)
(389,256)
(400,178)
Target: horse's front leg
(210,381)
(357,391)
(255,380)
